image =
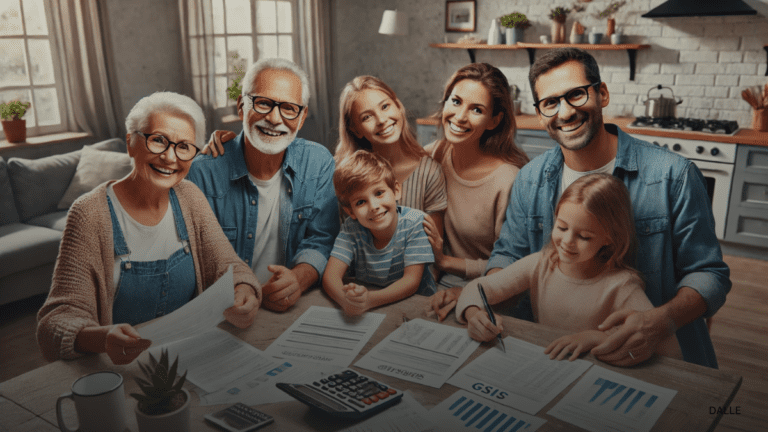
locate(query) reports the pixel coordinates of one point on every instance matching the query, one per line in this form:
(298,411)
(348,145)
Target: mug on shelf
(544,39)
(99,402)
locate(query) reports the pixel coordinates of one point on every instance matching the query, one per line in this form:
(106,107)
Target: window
(28,67)
(237,42)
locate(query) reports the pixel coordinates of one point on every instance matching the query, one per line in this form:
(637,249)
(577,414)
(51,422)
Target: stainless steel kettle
(661,106)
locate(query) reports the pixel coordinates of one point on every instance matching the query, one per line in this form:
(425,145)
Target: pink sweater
(82,292)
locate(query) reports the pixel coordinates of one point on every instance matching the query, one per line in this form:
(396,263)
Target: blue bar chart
(464,410)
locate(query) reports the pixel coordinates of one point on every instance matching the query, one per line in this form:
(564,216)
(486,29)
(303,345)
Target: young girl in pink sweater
(583,275)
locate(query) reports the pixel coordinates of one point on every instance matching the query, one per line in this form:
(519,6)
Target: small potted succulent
(14,126)
(609,12)
(164,404)
(558,16)
(515,23)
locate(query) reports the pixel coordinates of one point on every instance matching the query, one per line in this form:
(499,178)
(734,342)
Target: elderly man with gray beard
(272,192)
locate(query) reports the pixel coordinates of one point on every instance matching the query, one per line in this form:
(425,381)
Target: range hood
(688,8)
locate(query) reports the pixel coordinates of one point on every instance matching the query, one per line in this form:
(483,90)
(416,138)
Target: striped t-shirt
(424,189)
(382,267)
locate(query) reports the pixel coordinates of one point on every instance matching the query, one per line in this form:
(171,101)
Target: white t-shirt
(266,250)
(570,176)
(146,243)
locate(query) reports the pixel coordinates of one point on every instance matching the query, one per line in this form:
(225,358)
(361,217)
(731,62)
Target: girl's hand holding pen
(479,325)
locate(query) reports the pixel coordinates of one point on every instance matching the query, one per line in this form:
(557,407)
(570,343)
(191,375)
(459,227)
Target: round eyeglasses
(575,97)
(158,144)
(265,105)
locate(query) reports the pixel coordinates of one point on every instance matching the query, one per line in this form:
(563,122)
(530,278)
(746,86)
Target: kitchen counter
(743,136)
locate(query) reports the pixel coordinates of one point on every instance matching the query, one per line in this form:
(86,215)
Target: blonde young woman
(480,161)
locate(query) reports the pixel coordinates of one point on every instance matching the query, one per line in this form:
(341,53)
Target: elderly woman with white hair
(142,246)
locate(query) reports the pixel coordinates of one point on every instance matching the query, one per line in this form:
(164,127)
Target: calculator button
(317,384)
(383,387)
(332,384)
(382,395)
(374,398)
(391,391)
(367,401)
(324,381)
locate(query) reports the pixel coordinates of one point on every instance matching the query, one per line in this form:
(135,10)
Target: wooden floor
(739,332)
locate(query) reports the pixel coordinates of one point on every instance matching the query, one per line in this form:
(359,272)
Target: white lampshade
(394,23)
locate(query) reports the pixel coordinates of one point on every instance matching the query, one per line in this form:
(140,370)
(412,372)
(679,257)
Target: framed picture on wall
(460,16)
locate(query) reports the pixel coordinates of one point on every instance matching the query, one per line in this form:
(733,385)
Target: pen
(491,316)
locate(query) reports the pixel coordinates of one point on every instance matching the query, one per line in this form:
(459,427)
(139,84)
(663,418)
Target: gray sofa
(31,223)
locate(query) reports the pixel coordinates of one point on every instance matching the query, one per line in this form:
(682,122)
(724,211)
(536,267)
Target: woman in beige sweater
(480,161)
(142,246)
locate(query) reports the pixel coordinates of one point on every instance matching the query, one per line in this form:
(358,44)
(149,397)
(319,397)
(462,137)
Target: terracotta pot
(760,120)
(610,27)
(15,130)
(558,32)
(177,421)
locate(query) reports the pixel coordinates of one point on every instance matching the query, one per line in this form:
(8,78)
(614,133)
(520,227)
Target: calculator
(346,394)
(239,418)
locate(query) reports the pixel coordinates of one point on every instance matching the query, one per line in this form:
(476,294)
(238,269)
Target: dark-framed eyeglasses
(576,97)
(158,144)
(265,105)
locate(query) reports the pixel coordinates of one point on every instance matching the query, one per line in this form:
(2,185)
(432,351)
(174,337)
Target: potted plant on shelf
(558,16)
(164,406)
(609,12)
(14,126)
(515,23)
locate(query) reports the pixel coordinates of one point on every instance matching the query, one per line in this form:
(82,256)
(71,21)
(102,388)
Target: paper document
(524,378)
(325,335)
(407,416)
(259,389)
(464,411)
(216,358)
(421,351)
(604,400)
(200,314)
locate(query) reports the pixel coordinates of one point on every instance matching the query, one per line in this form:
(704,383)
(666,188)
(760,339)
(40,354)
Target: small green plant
(162,392)
(559,14)
(515,20)
(235,90)
(612,8)
(13,110)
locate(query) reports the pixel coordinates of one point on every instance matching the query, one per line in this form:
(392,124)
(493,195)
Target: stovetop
(722,127)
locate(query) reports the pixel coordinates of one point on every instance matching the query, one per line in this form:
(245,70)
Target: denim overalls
(149,289)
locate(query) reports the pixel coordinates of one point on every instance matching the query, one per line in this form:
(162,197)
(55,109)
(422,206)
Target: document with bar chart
(523,378)
(325,335)
(604,401)
(466,411)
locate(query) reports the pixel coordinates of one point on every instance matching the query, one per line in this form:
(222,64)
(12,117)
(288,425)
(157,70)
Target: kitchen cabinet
(747,222)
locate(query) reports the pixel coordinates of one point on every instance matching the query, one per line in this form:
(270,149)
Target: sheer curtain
(315,57)
(197,20)
(80,31)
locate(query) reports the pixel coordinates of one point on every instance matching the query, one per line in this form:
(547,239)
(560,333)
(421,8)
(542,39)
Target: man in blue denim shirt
(272,192)
(678,252)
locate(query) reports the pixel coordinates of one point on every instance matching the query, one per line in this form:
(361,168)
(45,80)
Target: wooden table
(28,402)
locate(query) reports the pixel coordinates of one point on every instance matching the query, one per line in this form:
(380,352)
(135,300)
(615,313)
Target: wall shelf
(532,47)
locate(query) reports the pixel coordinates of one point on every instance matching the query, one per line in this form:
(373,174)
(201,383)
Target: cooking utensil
(661,106)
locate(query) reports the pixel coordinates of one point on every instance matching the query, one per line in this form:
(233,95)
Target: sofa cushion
(39,184)
(26,246)
(8,213)
(95,167)
(56,220)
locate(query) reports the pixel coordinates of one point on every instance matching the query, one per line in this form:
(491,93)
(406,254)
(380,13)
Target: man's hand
(638,333)
(576,344)
(241,314)
(282,290)
(443,302)
(355,299)
(215,146)
(123,344)
(479,325)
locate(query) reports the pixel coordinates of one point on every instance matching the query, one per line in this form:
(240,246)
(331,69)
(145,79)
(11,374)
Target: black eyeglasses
(158,144)
(575,97)
(265,105)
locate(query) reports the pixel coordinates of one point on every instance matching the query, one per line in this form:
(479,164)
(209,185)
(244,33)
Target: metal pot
(661,106)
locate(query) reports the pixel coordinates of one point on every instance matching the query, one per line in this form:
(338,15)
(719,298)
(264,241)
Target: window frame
(37,130)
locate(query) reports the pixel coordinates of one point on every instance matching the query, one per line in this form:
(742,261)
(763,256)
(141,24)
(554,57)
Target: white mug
(544,39)
(99,401)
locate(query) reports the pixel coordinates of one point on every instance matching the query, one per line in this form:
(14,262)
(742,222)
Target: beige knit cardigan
(83,291)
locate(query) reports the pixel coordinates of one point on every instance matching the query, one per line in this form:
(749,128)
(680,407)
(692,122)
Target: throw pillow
(95,167)
(8,213)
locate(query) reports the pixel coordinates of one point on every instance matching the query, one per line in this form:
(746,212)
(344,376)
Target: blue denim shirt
(309,213)
(677,245)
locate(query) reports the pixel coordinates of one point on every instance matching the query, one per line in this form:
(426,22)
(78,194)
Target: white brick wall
(705,60)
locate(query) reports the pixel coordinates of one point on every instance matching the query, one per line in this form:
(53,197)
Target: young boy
(385,241)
